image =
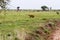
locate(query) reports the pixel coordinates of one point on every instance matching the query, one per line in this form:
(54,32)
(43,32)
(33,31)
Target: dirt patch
(55,35)
(50,30)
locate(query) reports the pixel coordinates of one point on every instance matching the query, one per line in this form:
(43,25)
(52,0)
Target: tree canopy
(44,8)
(3,3)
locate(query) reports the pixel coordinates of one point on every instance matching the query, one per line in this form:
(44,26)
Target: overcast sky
(34,4)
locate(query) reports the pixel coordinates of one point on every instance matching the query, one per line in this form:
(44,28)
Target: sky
(33,4)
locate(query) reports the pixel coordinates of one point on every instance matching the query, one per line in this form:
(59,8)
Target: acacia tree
(3,3)
(44,8)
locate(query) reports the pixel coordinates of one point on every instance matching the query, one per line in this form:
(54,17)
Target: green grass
(12,20)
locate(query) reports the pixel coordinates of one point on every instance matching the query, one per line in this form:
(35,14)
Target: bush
(31,16)
(16,38)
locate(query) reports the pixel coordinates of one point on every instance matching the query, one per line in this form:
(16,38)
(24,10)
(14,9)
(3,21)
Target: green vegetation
(44,8)
(13,23)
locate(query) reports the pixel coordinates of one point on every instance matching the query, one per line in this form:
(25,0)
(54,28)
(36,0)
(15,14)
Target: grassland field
(17,24)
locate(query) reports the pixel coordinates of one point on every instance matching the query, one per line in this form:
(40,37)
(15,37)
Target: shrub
(16,38)
(31,16)
(57,13)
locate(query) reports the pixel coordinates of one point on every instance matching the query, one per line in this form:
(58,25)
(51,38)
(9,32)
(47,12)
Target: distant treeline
(29,10)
